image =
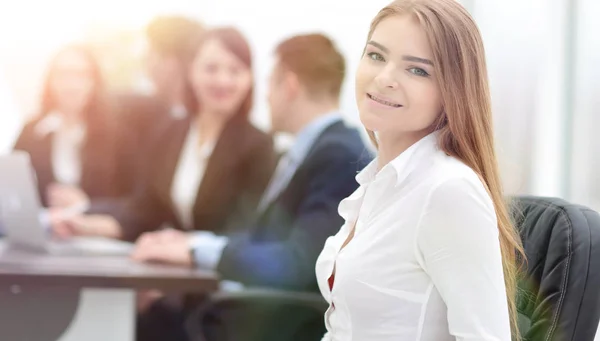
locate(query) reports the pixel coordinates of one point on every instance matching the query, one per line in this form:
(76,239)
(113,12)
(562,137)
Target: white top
(67,142)
(191,165)
(425,263)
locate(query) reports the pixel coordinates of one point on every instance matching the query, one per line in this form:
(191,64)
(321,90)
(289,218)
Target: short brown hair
(317,63)
(174,36)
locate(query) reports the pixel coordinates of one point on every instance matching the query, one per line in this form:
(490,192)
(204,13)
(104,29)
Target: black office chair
(559,297)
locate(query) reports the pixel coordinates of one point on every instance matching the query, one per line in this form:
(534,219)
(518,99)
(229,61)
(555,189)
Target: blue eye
(375,56)
(418,72)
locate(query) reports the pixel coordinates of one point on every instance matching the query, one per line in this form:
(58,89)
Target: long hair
(97,100)
(465,126)
(98,113)
(235,42)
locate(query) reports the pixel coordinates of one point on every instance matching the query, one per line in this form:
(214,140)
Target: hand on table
(66,196)
(166,246)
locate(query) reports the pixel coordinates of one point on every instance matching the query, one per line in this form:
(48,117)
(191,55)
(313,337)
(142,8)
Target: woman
(71,141)
(210,168)
(427,251)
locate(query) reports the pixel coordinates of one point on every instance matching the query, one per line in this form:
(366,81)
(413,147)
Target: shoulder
(341,135)
(250,137)
(341,143)
(138,105)
(453,184)
(34,125)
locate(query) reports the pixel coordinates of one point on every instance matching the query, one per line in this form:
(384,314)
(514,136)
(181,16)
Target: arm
(290,263)
(459,248)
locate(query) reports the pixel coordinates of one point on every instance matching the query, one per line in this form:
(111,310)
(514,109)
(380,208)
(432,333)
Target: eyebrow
(408,58)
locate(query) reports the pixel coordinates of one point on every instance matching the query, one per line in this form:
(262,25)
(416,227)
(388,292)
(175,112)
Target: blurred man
(298,211)
(171,42)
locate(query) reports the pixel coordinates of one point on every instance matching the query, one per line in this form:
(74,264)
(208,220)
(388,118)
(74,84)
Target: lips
(383,101)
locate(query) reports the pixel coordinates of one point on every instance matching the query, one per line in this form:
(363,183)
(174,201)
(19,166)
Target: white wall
(525,47)
(585,149)
(10,116)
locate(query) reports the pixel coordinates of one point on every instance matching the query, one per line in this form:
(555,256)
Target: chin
(372,122)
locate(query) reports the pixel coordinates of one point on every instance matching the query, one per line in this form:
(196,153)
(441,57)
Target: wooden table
(72,298)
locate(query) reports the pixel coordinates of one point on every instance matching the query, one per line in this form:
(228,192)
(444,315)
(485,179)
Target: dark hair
(235,42)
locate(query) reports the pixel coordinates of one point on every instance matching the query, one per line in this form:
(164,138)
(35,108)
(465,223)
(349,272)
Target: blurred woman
(72,139)
(210,168)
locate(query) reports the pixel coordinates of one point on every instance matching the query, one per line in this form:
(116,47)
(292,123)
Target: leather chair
(559,295)
(559,298)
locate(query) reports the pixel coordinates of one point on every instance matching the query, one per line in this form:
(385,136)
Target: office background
(542,57)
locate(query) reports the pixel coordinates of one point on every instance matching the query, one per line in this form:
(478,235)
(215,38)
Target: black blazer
(281,248)
(236,175)
(99,158)
(141,119)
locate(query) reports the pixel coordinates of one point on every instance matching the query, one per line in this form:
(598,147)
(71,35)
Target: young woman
(427,252)
(72,140)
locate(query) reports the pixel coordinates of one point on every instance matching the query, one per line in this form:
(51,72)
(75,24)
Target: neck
(392,145)
(71,117)
(210,125)
(175,95)
(309,112)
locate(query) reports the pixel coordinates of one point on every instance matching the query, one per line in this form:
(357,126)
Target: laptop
(21,215)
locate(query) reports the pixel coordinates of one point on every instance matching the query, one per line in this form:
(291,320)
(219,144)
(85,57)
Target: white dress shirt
(67,142)
(424,263)
(191,166)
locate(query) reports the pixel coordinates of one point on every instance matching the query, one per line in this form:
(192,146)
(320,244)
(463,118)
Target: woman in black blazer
(232,160)
(71,141)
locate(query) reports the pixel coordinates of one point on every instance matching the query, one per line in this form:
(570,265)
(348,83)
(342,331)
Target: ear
(292,84)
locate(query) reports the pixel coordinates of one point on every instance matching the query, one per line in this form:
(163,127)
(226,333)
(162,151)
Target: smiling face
(396,89)
(221,80)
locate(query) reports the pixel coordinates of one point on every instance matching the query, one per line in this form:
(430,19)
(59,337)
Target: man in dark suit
(298,211)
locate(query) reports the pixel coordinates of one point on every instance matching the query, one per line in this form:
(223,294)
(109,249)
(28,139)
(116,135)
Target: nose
(386,79)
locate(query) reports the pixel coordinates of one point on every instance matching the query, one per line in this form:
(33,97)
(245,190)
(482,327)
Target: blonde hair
(465,126)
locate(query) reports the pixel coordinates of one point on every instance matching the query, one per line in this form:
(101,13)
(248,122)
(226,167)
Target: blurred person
(171,41)
(427,251)
(72,139)
(208,169)
(298,211)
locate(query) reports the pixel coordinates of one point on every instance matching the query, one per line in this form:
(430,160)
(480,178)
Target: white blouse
(67,143)
(189,173)
(424,263)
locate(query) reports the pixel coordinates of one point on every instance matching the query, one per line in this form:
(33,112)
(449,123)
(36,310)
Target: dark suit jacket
(98,176)
(281,249)
(141,119)
(236,175)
